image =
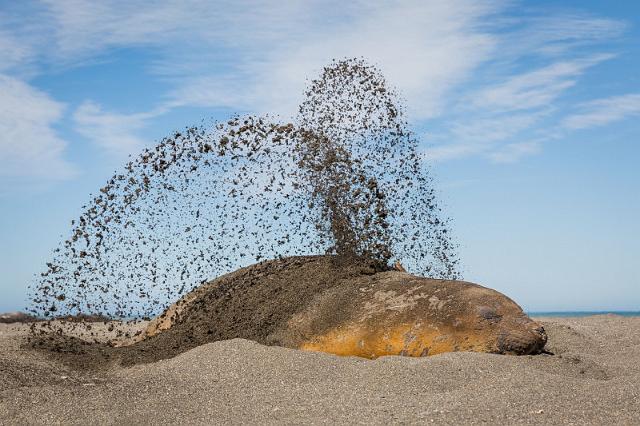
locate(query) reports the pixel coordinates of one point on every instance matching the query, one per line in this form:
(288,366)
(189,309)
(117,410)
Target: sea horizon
(563,314)
(568,314)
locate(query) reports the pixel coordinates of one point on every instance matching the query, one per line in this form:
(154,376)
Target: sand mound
(593,379)
(14,317)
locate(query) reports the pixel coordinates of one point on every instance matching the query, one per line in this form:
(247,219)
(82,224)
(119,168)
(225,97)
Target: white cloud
(451,151)
(506,108)
(184,29)
(493,129)
(29,145)
(558,34)
(534,89)
(412,42)
(114,132)
(481,135)
(496,119)
(257,55)
(604,111)
(513,152)
(12,52)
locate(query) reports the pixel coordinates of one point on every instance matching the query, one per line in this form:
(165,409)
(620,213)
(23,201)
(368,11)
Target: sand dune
(594,377)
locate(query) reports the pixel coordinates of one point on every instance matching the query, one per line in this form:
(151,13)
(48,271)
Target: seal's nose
(539,339)
(527,340)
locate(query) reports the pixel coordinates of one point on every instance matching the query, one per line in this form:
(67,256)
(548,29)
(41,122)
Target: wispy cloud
(536,88)
(451,151)
(411,41)
(464,63)
(554,35)
(114,132)
(494,128)
(511,104)
(12,52)
(498,121)
(252,50)
(513,152)
(604,111)
(31,148)
(257,55)
(29,145)
(480,135)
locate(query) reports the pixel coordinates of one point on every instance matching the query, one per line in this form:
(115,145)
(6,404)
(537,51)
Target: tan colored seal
(316,303)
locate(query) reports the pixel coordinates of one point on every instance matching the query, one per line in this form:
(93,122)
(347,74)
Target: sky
(527,112)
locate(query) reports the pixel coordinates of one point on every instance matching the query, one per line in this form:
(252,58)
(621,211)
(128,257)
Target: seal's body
(319,303)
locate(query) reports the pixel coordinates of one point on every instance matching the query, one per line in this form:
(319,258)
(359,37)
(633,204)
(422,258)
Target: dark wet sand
(594,377)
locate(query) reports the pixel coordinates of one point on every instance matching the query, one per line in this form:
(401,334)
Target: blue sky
(528,114)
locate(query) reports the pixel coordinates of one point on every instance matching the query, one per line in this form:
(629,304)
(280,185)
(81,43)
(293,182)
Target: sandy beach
(593,377)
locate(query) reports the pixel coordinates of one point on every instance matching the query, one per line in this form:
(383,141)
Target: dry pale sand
(594,377)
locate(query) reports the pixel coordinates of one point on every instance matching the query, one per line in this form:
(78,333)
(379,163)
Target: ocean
(568,314)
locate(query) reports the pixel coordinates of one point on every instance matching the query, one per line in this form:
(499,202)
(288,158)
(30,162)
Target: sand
(594,377)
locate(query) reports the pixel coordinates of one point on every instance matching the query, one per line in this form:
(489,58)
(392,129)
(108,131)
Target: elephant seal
(320,303)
